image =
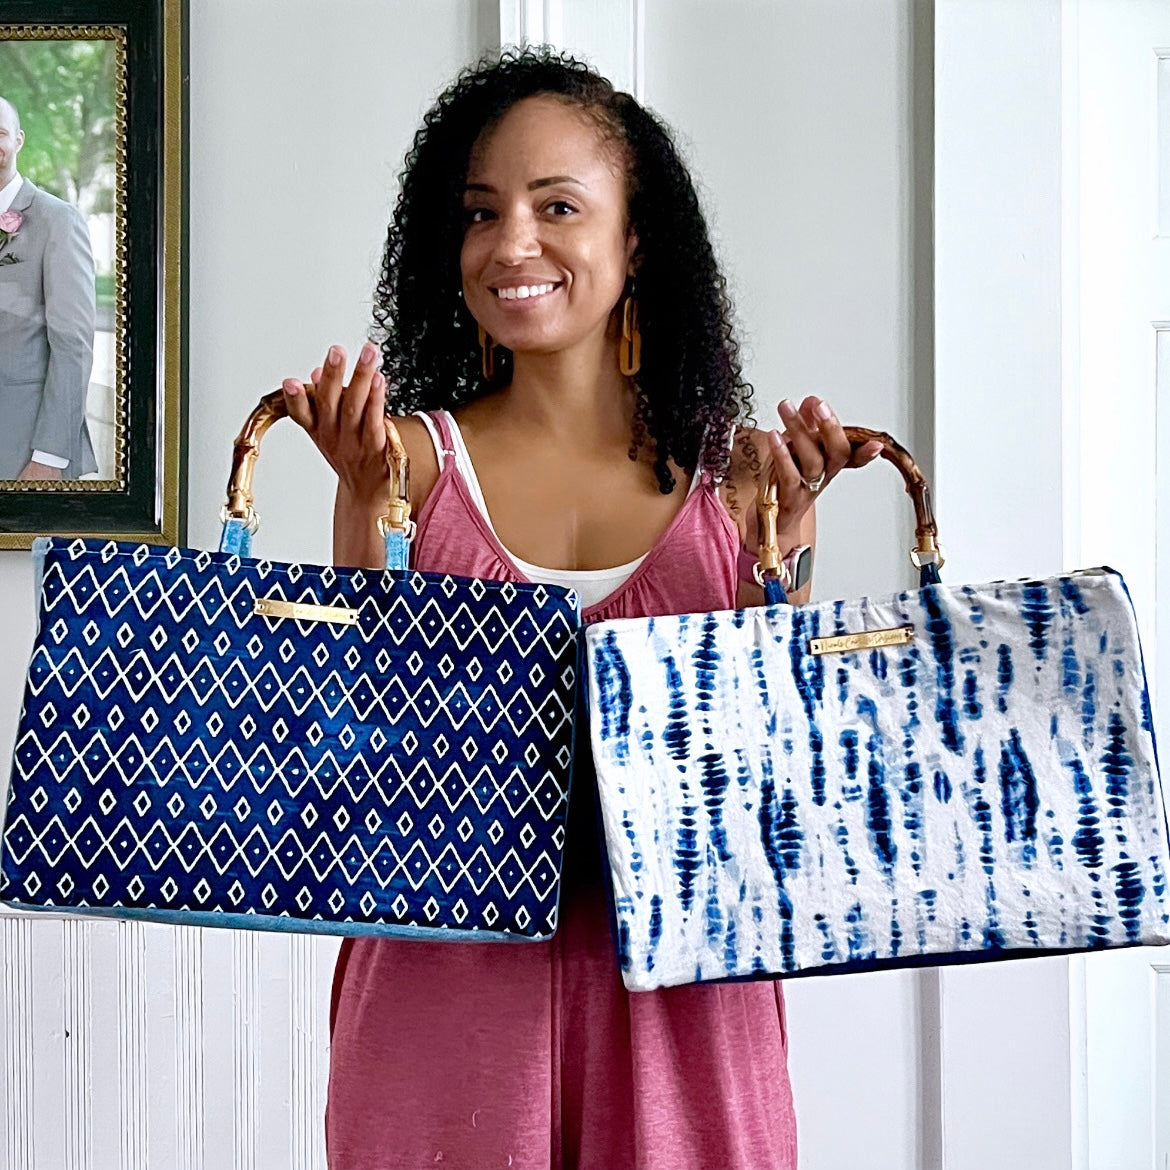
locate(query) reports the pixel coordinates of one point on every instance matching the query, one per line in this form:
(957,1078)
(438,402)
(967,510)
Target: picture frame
(103,84)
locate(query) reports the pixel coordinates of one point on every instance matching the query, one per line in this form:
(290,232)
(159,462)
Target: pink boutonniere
(10,222)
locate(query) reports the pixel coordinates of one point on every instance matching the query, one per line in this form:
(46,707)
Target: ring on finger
(813,485)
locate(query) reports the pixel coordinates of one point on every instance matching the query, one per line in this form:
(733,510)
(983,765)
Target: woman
(540,212)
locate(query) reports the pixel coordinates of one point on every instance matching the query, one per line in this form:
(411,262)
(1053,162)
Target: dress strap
(436,424)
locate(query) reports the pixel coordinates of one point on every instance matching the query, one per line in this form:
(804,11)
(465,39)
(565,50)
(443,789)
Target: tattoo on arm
(743,477)
(751,454)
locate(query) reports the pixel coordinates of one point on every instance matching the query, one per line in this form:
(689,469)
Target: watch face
(801,565)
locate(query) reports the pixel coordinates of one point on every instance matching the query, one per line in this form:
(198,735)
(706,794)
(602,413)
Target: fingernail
(367,354)
(823,411)
(788,408)
(379,380)
(334,358)
(291,388)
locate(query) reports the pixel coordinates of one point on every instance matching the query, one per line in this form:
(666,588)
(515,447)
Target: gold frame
(169,388)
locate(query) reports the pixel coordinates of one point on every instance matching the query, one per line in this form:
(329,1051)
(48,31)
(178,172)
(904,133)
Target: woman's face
(546,249)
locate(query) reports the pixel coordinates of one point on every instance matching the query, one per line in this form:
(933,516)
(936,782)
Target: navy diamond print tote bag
(214,739)
(944,775)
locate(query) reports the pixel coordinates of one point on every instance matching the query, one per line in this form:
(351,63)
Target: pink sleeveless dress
(533,1056)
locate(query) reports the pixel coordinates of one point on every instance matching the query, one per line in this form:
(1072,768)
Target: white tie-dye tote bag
(947,774)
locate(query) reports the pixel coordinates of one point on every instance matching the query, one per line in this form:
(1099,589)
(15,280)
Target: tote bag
(940,775)
(209,738)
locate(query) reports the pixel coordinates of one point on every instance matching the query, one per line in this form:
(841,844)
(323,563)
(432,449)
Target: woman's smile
(529,292)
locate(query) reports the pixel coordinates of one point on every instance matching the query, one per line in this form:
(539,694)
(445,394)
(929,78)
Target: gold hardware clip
(867,640)
(275,607)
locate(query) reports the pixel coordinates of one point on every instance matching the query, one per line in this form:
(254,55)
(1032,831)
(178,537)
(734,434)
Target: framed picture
(92,291)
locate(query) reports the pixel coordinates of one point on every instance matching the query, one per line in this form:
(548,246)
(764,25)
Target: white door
(1122,236)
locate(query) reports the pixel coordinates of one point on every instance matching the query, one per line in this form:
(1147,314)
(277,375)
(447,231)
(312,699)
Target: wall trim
(17,1138)
(133,1056)
(190,1112)
(531,22)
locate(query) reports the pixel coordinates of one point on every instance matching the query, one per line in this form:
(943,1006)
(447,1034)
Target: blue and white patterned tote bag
(944,775)
(213,739)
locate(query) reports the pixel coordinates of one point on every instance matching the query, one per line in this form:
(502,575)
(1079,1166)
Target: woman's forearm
(356,540)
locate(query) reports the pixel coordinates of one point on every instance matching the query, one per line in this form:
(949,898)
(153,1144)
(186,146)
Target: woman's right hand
(346,422)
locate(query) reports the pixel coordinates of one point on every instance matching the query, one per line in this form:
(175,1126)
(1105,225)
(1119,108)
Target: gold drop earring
(487,354)
(630,352)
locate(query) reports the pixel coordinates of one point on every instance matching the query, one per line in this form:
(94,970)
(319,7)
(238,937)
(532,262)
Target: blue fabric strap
(397,549)
(774,592)
(236,537)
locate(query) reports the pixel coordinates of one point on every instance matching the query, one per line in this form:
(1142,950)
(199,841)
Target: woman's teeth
(523,291)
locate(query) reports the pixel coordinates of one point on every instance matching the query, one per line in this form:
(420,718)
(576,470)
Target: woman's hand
(346,422)
(807,455)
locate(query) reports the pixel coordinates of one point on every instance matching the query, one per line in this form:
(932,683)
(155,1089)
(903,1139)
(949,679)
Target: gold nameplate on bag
(870,640)
(274,607)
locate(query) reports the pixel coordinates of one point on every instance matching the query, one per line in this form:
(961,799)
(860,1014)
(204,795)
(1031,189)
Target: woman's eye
(560,208)
(475,215)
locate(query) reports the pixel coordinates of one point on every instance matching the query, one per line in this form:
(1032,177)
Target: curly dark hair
(690,388)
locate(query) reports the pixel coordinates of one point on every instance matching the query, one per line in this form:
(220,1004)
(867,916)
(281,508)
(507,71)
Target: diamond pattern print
(178,753)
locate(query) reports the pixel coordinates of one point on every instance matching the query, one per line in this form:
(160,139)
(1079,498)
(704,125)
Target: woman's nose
(517,239)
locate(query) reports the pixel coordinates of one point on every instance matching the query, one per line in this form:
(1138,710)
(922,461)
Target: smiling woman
(58,146)
(558,355)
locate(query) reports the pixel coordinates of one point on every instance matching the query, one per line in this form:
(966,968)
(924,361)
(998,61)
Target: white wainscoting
(130,1046)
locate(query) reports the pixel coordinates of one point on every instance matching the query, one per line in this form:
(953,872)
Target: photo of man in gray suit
(47,317)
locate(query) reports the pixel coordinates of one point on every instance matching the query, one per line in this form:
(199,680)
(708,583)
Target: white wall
(1121,102)
(797,119)
(299,123)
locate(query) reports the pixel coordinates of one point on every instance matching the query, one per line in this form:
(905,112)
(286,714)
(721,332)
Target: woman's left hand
(808,454)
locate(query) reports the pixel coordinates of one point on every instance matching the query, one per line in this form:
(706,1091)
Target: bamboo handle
(926,549)
(271,407)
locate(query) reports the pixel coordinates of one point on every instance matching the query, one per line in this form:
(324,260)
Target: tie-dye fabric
(990,787)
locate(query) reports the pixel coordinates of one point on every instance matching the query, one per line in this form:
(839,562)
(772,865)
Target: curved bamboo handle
(240,504)
(926,549)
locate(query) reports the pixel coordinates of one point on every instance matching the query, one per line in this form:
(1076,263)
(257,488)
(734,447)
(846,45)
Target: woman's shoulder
(421,458)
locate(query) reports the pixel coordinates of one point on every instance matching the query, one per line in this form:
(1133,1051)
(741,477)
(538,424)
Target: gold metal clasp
(867,640)
(302,612)
(927,556)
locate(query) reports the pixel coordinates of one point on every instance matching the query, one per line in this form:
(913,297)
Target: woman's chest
(580,517)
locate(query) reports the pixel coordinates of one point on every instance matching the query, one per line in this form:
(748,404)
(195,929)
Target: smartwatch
(796,568)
